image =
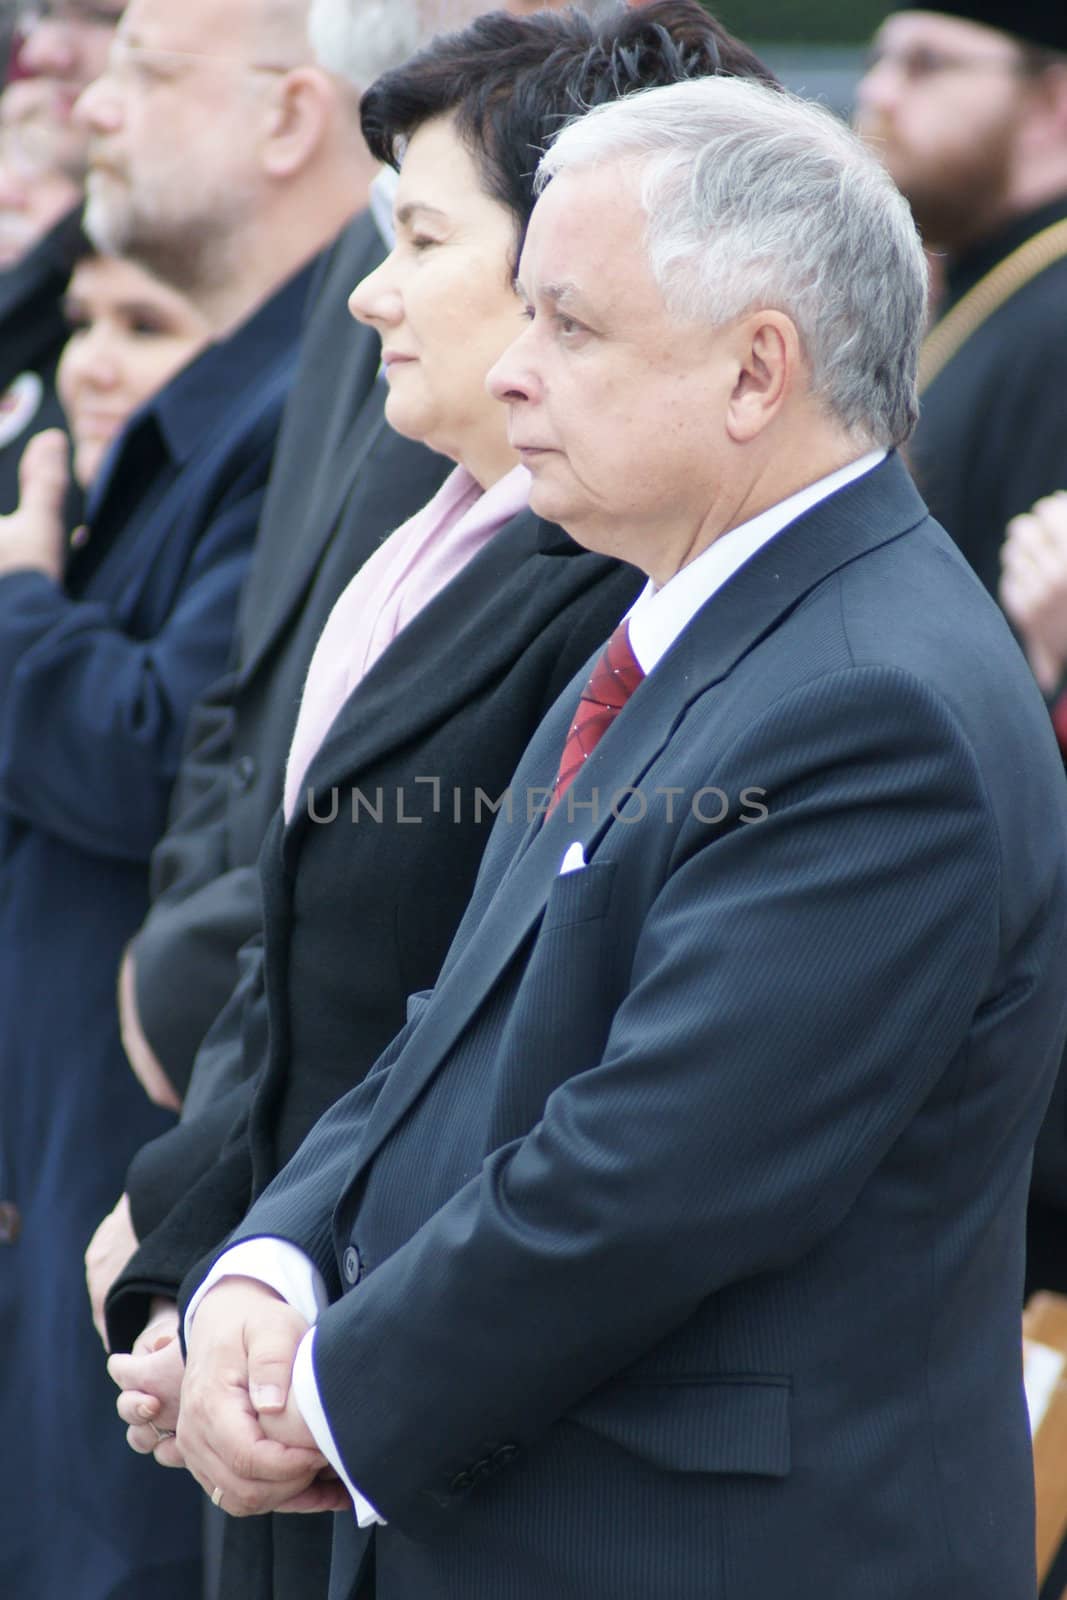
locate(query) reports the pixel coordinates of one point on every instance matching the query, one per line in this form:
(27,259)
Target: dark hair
(511,83)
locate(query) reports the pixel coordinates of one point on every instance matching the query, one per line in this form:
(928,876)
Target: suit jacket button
(351,1265)
(461,1483)
(244,773)
(10,1222)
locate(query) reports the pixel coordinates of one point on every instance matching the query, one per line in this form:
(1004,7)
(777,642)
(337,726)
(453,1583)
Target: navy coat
(676,1246)
(97,678)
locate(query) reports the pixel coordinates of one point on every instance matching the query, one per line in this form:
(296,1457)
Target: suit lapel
(461,640)
(878,508)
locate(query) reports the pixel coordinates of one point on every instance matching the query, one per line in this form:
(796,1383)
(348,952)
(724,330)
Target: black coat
(360,914)
(342,481)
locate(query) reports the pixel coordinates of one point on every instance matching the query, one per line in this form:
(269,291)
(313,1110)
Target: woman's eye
(147,327)
(422,241)
(75,316)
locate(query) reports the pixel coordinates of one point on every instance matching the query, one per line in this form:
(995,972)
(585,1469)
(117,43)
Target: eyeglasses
(72,13)
(920,64)
(127,61)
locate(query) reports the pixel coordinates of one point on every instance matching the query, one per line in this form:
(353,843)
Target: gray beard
(185,254)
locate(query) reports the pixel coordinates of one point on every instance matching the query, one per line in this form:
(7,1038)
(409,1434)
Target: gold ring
(162,1433)
(216,1497)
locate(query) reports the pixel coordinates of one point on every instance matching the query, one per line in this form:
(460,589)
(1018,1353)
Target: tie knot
(611,683)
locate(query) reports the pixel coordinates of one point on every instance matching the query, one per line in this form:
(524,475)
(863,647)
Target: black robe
(992,435)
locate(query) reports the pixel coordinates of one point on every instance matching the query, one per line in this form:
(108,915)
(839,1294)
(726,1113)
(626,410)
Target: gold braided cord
(948,336)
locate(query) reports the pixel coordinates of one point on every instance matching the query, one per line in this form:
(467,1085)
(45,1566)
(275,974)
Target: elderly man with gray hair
(675,1245)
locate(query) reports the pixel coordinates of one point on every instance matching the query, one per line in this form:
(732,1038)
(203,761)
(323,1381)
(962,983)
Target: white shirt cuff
(278,1264)
(292,1275)
(309,1403)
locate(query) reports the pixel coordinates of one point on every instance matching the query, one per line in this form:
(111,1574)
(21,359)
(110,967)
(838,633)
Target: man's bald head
(360,39)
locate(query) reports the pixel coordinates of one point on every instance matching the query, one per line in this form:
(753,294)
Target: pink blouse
(403,575)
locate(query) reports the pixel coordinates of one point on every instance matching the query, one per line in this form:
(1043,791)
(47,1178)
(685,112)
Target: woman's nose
(376,299)
(93,360)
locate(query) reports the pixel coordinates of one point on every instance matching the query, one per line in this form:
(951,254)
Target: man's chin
(107,225)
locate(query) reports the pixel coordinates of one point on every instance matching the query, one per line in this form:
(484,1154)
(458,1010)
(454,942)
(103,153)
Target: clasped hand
(239,1429)
(150,1378)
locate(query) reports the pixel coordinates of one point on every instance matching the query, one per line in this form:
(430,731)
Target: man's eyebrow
(561,294)
(406,212)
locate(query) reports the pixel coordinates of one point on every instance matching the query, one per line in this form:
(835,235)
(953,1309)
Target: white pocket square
(574,860)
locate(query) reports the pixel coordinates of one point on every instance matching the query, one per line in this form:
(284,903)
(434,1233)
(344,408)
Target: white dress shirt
(656,619)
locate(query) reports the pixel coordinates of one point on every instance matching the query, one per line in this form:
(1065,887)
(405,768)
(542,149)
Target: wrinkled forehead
(587,238)
(580,202)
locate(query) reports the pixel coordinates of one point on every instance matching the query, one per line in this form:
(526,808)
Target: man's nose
(98,108)
(513,378)
(879,86)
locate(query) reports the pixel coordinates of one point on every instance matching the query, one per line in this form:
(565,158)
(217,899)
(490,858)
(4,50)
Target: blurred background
(816,46)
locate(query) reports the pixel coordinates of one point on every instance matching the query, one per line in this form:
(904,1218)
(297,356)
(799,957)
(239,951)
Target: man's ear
(301,110)
(768,358)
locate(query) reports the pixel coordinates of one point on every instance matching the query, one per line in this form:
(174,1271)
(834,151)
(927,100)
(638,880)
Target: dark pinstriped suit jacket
(687,1211)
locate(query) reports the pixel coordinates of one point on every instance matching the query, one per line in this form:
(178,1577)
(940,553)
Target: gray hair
(360,39)
(756,199)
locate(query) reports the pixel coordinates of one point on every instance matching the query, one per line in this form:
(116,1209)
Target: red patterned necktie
(611,683)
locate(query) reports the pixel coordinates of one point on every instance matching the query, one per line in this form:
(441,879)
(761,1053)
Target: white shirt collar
(658,616)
